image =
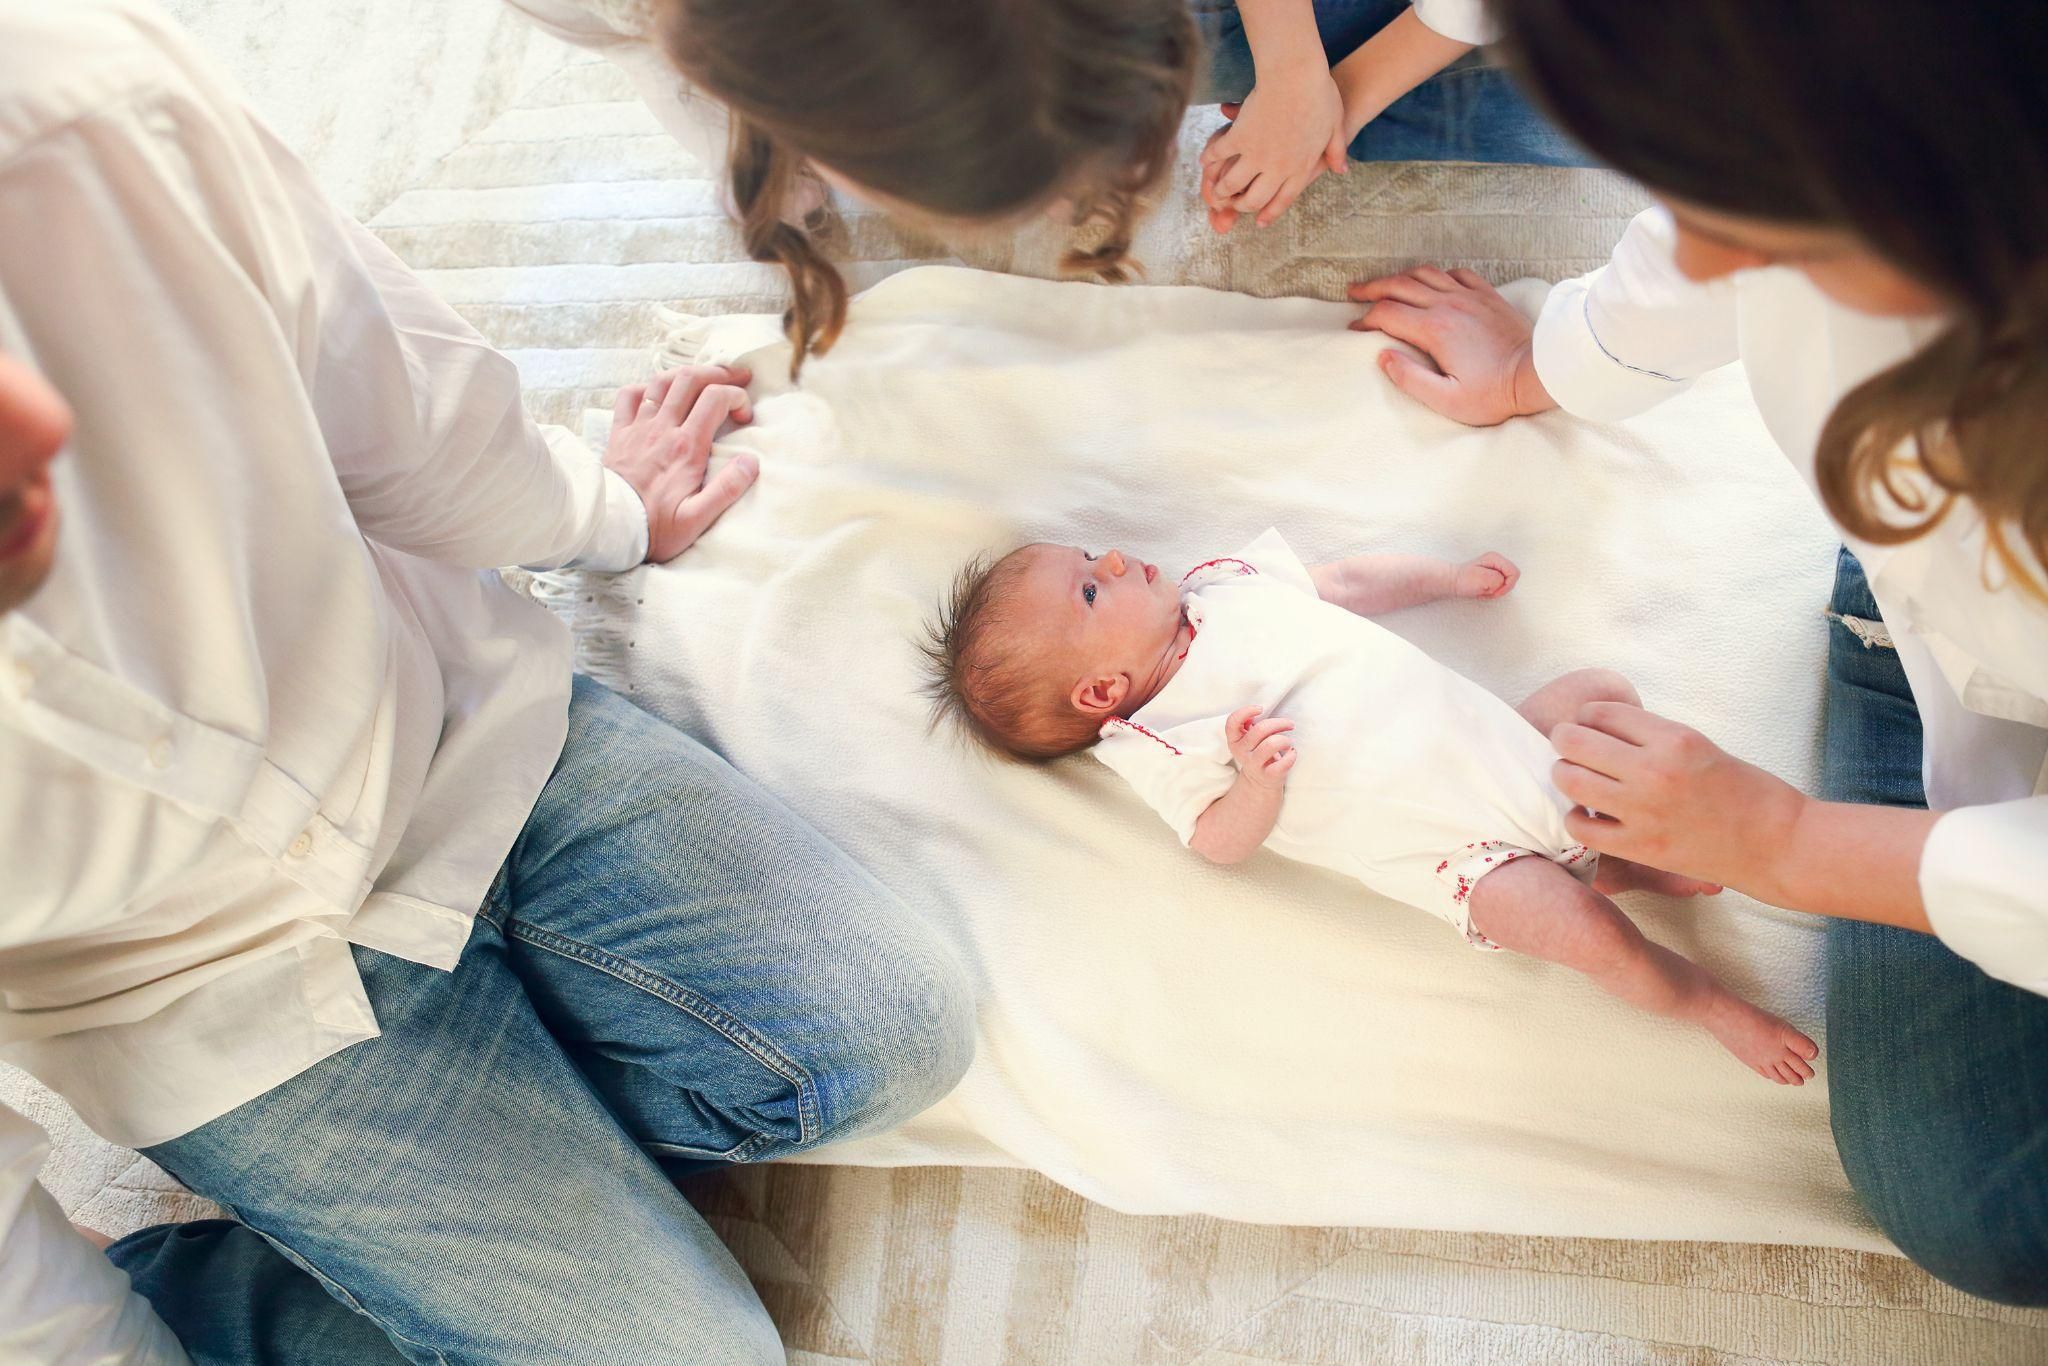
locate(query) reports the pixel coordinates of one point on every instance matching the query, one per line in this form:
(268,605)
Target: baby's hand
(1262,748)
(1489,576)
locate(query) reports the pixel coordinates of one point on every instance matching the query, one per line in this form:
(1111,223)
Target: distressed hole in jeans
(1875,635)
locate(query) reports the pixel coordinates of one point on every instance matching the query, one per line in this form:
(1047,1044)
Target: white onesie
(1410,778)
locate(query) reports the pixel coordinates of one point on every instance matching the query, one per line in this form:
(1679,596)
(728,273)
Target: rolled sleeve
(1462,21)
(1635,332)
(1984,879)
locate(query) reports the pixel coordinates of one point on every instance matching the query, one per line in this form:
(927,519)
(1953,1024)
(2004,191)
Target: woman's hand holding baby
(1670,798)
(1262,748)
(661,445)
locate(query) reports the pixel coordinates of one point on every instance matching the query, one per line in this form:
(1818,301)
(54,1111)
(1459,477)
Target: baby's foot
(1620,875)
(1773,1049)
(1489,576)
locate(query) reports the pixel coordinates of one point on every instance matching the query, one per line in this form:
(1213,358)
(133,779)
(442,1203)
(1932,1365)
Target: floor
(527,186)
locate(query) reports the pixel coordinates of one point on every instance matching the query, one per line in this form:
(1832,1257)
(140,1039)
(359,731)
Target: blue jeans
(672,971)
(1935,1074)
(1467,112)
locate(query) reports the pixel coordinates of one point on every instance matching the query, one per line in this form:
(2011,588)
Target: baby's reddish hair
(982,672)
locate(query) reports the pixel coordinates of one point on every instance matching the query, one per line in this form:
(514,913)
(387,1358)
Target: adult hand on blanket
(661,444)
(1480,343)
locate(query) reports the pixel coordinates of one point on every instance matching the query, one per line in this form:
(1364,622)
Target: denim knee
(1963,1217)
(1963,1246)
(907,1037)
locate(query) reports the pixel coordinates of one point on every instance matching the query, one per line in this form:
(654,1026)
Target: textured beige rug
(526,184)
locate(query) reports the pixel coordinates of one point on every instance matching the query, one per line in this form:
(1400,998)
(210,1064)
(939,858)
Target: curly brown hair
(970,110)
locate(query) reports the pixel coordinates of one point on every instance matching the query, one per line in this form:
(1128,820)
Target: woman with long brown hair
(942,110)
(1855,205)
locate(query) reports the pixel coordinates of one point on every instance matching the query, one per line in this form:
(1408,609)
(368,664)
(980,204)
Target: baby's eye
(1086,556)
(1088,591)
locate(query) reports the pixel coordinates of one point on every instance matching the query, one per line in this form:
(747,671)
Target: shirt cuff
(621,540)
(1577,370)
(1462,21)
(606,504)
(1984,880)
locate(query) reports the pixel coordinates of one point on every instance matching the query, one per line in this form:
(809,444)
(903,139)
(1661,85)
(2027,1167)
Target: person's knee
(1965,1219)
(1976,1249)
(1940,1150)
(906,1037)
(1975,1244)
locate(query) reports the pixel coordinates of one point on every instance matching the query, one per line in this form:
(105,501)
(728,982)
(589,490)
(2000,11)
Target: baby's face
(1099,615)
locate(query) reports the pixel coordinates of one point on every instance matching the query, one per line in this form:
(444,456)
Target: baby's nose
(1114,563)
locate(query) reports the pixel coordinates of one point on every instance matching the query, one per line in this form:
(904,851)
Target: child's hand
(1489,576)
(1262,748)
(1284,135)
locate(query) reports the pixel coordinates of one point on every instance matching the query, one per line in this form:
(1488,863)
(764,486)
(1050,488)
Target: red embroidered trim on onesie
(1243,567)
(1133,725)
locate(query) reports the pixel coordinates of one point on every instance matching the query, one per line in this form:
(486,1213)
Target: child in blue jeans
(1310,84)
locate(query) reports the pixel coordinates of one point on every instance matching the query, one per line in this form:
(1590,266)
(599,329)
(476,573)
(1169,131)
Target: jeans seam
(346,1296)
(726,1026)
(742,1153)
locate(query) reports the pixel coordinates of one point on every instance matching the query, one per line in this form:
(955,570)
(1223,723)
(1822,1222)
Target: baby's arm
(1388,65)
(1237,823)
(1372,584)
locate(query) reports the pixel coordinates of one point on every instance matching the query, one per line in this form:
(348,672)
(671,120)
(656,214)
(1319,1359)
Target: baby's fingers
(1240,721)
(1280,763)
(1266,730)
(1272,745)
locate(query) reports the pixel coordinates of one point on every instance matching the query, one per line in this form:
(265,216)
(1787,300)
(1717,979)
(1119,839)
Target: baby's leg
(1535,907)
(1557,702)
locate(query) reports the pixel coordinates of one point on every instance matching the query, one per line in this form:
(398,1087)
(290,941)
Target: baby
(1253,703)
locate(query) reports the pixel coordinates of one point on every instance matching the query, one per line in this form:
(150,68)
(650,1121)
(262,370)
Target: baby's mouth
(1151,572)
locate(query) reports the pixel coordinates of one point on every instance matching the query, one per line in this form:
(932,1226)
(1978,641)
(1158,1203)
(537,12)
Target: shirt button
(160,754)
(301,846)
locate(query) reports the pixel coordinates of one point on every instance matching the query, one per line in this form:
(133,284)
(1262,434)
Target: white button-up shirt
(271,702)
(1974,646)
(1463,21)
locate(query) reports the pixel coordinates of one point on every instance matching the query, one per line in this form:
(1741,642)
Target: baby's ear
(1101,694)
